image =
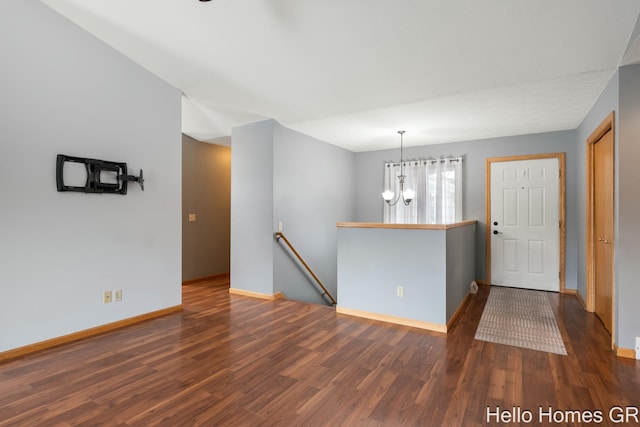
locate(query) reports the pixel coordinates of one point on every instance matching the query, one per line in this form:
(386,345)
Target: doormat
(521,318)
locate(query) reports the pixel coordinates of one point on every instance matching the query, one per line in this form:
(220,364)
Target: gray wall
(460,265)
(372,262)
(627,240)
(252,207)
(622,95)
(64,91)
(606,103)
(206,191)
(280,175)
(313,189)
(369,173)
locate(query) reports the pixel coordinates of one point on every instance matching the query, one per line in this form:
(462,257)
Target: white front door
(525,227)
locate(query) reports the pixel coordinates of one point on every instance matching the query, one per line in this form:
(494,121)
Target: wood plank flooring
(238,361)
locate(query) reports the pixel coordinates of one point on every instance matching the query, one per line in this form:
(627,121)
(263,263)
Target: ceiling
(353,72)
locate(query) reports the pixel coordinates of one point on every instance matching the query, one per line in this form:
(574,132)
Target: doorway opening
(600,223)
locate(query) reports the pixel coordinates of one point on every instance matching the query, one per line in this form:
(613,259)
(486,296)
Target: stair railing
(280,235)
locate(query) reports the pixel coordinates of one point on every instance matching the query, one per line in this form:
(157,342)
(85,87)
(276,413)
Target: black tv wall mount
(96,182)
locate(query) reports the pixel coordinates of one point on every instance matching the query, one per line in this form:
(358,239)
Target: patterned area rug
(521,318)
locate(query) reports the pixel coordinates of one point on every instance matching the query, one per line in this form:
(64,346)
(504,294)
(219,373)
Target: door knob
(496,232)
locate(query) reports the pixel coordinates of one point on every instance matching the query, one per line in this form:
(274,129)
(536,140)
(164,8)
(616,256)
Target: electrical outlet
(280,226)
(107,297)
(400,291)
(637,348)
(117,295)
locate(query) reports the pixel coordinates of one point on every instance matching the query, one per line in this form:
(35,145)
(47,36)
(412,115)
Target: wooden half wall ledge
(405,226)
(87,333)
(252,294)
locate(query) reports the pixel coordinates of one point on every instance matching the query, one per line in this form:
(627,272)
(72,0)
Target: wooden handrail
(279,236)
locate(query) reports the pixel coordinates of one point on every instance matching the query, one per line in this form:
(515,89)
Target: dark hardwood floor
(237,361)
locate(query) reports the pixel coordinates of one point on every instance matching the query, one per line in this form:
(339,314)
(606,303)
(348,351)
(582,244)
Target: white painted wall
(64,91)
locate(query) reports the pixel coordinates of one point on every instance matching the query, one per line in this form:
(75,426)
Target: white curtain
(414,172)
(451,199)
(438,187)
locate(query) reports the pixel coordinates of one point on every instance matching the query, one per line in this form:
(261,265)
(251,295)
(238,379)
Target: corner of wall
(252,172)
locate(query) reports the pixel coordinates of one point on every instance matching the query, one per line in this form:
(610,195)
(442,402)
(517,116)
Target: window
(438,187)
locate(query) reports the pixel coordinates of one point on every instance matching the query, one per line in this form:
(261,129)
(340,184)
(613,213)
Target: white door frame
(561,206)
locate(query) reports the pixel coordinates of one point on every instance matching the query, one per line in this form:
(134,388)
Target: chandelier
(406,195)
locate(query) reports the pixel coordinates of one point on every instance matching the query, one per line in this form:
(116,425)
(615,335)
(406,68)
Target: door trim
(608,124)
(561,207)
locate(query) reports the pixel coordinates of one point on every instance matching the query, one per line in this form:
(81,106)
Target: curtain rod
(432,161)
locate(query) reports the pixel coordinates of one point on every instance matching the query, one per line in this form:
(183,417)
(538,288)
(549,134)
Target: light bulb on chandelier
(405,194)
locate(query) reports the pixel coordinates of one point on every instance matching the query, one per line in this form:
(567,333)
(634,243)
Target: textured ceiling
(353,72)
